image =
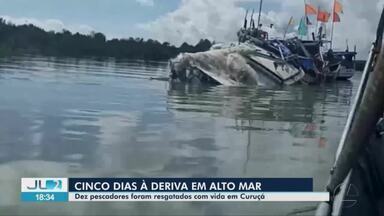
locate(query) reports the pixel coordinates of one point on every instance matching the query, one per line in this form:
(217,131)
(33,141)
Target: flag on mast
(323,16)
(290,22)
(338,7)
(310,10)
(336,17)
(303,28)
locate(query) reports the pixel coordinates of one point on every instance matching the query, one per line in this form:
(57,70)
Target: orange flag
(336,17)
(323,16)
(309,9)
(338,7)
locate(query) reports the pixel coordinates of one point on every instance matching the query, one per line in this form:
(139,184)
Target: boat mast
(252,24)
(305,16)
(260,8)
(245,20)
(317,20)
(346,42)
(333,22)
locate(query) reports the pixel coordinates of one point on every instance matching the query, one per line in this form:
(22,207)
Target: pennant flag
(303,28)
(336,17)
(309,9)
(290,23)
(338,7)
(323,16)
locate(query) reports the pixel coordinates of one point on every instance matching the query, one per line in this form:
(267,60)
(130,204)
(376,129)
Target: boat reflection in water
(92,118)
(272,133)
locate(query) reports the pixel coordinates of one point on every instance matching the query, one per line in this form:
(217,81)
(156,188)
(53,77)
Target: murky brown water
(106,118)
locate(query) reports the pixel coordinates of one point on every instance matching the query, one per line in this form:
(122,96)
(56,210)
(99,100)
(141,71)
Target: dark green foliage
(30,39)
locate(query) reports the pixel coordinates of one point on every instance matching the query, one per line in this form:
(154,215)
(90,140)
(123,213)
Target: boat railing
(365,111)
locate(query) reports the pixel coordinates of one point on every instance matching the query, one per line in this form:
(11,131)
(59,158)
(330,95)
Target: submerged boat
(234,65)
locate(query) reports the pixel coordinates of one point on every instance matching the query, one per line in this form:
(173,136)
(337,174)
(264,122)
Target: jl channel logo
(49,185)
(44,185)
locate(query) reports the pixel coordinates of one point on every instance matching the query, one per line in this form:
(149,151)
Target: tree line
(30,39)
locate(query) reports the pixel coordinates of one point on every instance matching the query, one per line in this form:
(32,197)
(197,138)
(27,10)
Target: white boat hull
(244,64)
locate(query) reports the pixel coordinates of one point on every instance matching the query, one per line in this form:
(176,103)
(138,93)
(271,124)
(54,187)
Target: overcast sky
(177,21)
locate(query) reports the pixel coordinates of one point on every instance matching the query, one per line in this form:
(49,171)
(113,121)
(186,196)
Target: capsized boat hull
(244,64)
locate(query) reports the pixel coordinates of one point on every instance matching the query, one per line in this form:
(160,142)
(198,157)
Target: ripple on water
(105,117)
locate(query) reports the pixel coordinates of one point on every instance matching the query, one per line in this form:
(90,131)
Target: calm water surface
(103,118)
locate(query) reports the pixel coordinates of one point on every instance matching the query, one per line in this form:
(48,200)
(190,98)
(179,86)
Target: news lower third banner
(170,189)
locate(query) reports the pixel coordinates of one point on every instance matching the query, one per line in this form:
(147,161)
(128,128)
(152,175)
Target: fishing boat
(319,66)
(309,58)
(252,61)
(258,60)
(335,64)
